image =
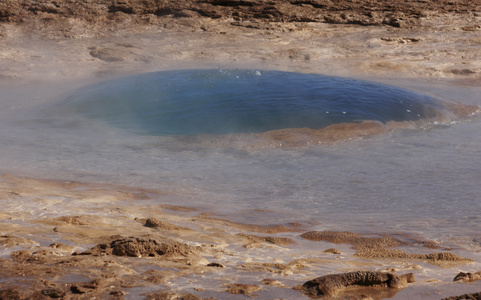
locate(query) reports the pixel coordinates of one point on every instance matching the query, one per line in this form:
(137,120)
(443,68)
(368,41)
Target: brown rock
(53,293)
(140,247)
(366,13)
(333,251)
(10,294)
(430,244)
(21,256)
(163,295)
(376,247)
(117,294)
(272,282)
(61,247)
(156,223)
(329,285)
(10,11)
(243,289)
(467,277)
(473,296)
(402,281)
(267,239)
(358,241)
(438,257)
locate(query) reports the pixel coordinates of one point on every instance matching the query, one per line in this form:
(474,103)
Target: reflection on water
(232,101)
(426,181)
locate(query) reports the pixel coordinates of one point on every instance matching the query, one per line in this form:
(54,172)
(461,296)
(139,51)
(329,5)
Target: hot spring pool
(189,102)
(139,130)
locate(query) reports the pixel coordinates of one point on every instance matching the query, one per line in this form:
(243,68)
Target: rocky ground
(82,241)
(59,39)
(79,241)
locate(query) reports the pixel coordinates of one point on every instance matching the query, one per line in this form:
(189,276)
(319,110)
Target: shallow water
(423,181)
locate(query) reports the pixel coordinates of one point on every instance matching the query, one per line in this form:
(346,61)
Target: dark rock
(77,290)
(466,277)
(83,288)
(214,264)
(10,294)
(329,285)
(117,293)
(474,296)
(156,223)
(53,293)
(463,71)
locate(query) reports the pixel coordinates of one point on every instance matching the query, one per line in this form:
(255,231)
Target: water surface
(218,101)
(424,181)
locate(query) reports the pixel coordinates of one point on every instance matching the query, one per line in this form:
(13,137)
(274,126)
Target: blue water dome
(221,101)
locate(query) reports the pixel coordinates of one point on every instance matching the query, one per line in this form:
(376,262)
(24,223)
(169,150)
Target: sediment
(381,248)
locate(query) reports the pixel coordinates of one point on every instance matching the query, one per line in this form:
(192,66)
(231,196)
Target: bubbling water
(217,101)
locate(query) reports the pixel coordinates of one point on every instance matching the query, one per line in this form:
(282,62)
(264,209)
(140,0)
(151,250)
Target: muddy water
(423,181)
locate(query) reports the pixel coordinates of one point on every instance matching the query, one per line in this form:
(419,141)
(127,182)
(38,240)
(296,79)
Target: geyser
(218,101)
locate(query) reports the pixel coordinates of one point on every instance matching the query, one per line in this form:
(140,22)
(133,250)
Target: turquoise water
(221,101)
